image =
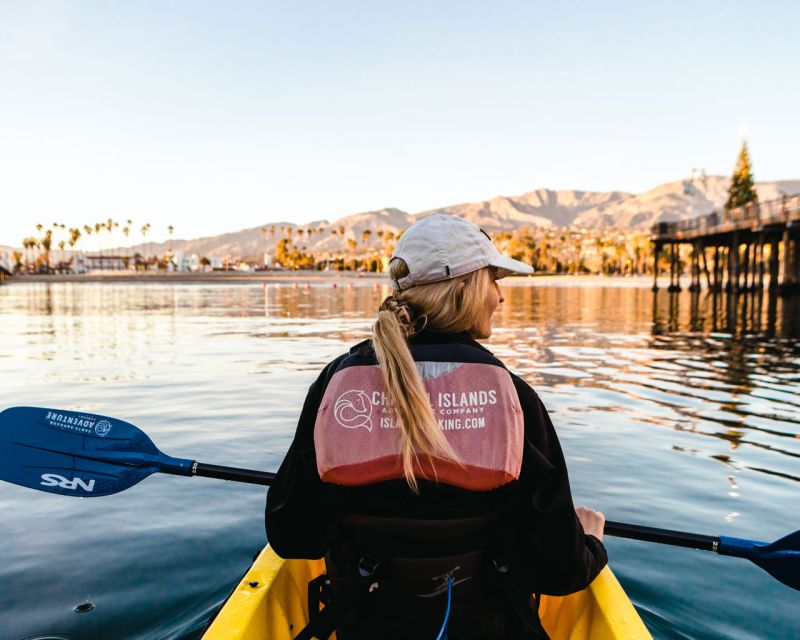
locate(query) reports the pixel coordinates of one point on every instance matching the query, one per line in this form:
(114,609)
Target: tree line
(567,250)
(39,250)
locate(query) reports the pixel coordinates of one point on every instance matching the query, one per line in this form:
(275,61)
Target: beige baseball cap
(440,247)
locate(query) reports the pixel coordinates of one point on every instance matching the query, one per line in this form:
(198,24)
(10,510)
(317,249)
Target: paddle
(86,455)
(81,454)
(780,559)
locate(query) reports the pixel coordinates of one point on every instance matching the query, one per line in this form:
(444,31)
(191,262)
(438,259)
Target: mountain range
(542,208)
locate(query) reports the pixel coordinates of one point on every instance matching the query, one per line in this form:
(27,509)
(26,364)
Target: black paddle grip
(232,473)
(662,536)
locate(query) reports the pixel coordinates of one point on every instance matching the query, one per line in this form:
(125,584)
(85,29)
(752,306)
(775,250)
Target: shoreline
(230,277)
(300,276)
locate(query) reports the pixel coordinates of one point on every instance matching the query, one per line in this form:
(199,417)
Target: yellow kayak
(271,603)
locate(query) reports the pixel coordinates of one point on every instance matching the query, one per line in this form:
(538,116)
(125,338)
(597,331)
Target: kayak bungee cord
(443,631)
(87,455)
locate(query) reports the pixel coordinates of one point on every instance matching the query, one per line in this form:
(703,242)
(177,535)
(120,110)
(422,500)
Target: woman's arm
(296,518)
(559,556)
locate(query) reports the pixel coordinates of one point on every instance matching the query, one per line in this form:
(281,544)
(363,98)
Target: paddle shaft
(86,455)
(616,529)
(662,536)
(612,528)
(234,474)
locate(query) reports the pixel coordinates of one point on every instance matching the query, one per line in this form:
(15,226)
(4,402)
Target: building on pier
(736,248)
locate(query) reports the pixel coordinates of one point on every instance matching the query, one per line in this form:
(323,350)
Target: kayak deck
(271,603)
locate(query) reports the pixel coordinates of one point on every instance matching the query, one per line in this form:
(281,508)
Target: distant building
(185,262)
(79,264)
(106,263)
(5,262)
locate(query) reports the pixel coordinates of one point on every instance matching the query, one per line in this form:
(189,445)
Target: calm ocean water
(676,411)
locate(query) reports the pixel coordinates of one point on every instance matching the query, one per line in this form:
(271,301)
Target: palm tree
(170,231)
(109,226)
(145,230)
(126,231)
(97,227)
(74,237)
(47,242)
(28,244)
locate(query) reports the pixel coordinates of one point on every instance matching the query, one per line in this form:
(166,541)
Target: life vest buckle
(368,567)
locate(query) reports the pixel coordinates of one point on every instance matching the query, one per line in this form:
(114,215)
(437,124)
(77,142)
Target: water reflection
(679,410)
(754,314)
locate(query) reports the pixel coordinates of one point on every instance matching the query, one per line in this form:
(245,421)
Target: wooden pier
(735,249)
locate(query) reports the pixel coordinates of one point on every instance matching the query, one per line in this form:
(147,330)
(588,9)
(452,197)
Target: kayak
(271,603)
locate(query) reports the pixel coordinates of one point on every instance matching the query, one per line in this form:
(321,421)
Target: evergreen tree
(742,189)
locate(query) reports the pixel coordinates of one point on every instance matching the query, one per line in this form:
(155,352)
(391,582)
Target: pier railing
(752,216)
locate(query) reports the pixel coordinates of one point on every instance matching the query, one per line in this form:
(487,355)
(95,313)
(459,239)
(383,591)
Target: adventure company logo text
(82,424)
(354,409)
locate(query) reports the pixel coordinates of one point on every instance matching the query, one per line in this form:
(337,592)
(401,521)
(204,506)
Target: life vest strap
(393,576)
(321,622)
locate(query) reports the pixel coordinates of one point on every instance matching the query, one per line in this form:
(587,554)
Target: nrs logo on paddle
(55,480)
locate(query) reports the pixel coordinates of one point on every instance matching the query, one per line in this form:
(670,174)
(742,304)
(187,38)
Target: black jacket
(547,548)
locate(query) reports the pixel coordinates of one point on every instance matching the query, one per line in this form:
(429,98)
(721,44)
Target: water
(677,411)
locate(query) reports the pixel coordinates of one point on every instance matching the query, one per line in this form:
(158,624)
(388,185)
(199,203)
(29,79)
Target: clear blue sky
(216,116)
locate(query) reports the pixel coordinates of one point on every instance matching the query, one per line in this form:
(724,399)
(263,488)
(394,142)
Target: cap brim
(508,266)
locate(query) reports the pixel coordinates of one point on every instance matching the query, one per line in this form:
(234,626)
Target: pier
(736,249)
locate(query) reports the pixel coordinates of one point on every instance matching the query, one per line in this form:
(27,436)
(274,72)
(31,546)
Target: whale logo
(102,428)
(353,409)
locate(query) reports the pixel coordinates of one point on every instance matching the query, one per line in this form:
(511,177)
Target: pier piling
(740,239)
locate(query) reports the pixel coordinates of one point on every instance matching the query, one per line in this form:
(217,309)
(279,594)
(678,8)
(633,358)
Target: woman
(433,483)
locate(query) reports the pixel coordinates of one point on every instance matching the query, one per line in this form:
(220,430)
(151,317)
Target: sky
(219,116)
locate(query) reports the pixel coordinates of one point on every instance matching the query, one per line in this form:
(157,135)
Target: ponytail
(448,306)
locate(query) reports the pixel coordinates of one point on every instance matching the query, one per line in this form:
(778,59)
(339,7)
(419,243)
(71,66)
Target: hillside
(542,208)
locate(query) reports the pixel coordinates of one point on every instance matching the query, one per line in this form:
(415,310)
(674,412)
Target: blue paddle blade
(77,454)
(781,559)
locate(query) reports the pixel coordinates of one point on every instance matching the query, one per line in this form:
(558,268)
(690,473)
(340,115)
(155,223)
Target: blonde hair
(450,306)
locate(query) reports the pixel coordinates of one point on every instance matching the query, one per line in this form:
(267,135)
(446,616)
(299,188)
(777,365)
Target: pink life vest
(358,442)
